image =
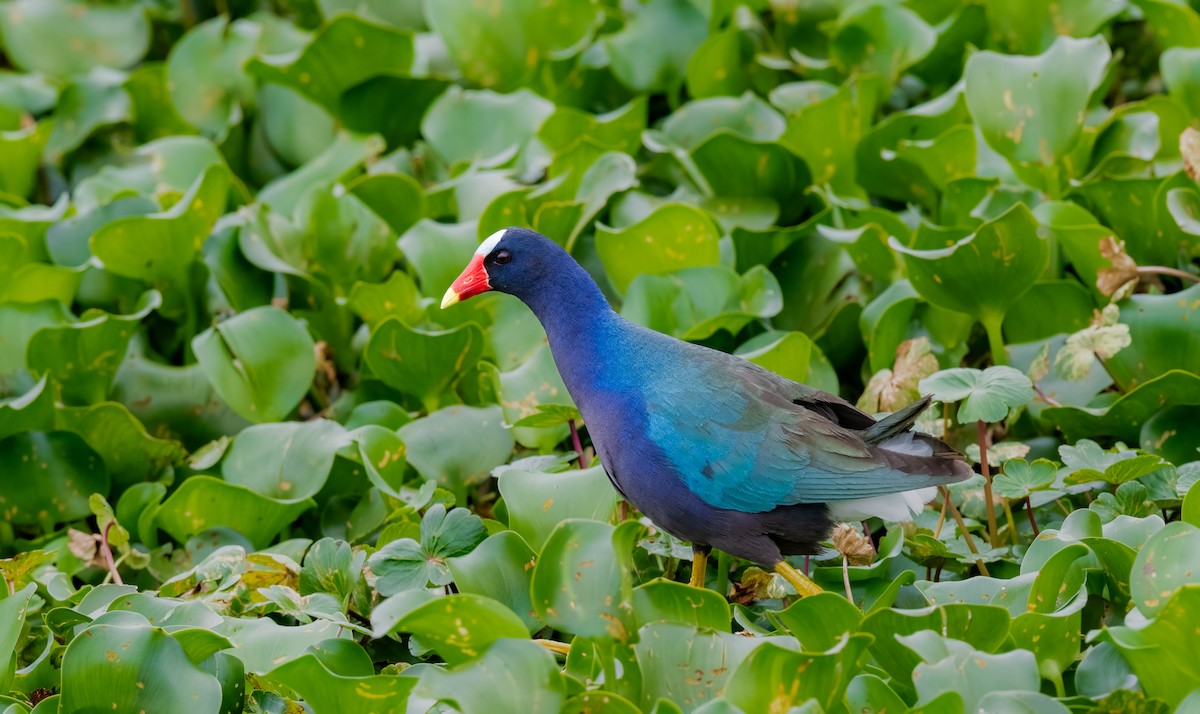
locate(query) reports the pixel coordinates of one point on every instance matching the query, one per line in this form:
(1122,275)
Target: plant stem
(962,527)
(1173,272)
(846,577)
(1012,524)
(1032,520)
(937,532)
(555,646)
(1046,397)
(995,340)
(577,443)
(724,562)
(107,551)
(993,531)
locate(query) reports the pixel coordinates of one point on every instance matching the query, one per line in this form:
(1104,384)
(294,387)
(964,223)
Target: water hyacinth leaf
(23,149)
(83,36)
(51,477)
(512,675)
(523,390)
(1161,336)
(986,395)
(651,53)
(420,362)
(747,116)
(975,675)
(982,274)
(880,38)
(205,79)
(673,237)
(538,501)
(581,580)
(1031,109)
(502,47)
(138,667)
(481,127)
(131,455)
(261,362)
(684,663)
(668,601)
(694,303)
(984,627)
(735,168)
(83,357)
(203,502)
(396,198)
(1027,27)
(328,691)
(382,453)
(1125,416)
(341,158)
(1162,568)
(345,52)
(768,670)
(1164,653)
(435,447)
(460,627)
(31,411)
(1173,25)
(500,568)
(438,252)
(286,461)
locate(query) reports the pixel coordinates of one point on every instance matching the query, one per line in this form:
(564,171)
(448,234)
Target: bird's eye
(502,257)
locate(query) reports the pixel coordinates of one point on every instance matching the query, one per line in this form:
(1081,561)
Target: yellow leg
(699,565)
(797,579)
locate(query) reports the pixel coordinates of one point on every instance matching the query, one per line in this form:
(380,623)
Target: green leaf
(203,502)
(50,478)
(581,581)
(880,38)
(674,236)
(1031,109)
(460,627)
(131,455)
(1021,478)
(651,53)
(983,273)
(483,128)
(260,361)
(511,676)
(406,564)
(1164,653)
(420,362)
(435,447)
(500,568)
(538,501)
(1162,567)
(205,79)
(772,676)
(987,395)
(668,601)
(288,461)
(1027,27)
(984,627)
(65,37)
(503,46)
(974,675)
(328,691)
(345,52)
(125,661)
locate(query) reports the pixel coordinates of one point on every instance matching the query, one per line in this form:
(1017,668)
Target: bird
(712,448)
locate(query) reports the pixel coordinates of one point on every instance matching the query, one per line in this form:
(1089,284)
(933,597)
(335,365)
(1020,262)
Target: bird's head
(510,261)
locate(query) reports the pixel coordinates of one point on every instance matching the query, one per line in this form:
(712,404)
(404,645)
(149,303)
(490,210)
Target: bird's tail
(895,423)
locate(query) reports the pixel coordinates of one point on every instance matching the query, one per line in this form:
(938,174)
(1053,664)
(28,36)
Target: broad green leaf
(420,362)
(882,38)
(33,410)
(1031,109)
(1164,653)
(651,53)
(23,149)
(460,627)
(820,622)
(1027,27)
(982,626)
(986,395)
(481,127)
(203,502)
(285,461)
(328,691)
(260,361)
(1173,24)
(500,568)
(581,581)
(1021,478)
(65,37)
(983,273)
(205,79)
(131,454)
(523,390)
(435,445)
(503,45)
(135,666)
(974,675)
(1162,567)
(511,676)
(694,303)
(773,676)
(50,477)
(1125,416)
(13,612)
(537,501)
(340,159)
(345,52)
(407,564)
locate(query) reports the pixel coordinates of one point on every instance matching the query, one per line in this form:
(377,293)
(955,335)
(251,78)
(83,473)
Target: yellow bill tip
(450,298)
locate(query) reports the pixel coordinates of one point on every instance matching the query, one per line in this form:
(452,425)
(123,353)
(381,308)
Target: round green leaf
(261,362)
(1163,566)
(986,395)
(64,37)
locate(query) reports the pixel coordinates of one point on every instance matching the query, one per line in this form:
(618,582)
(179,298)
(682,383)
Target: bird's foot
(798,580)
(699,566)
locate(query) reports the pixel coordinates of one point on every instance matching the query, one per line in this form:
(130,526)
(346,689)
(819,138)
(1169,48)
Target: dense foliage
(246,464)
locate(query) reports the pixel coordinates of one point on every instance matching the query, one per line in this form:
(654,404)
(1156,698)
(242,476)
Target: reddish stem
(108,559)
(577,443)
(1032,520)
(993,531)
